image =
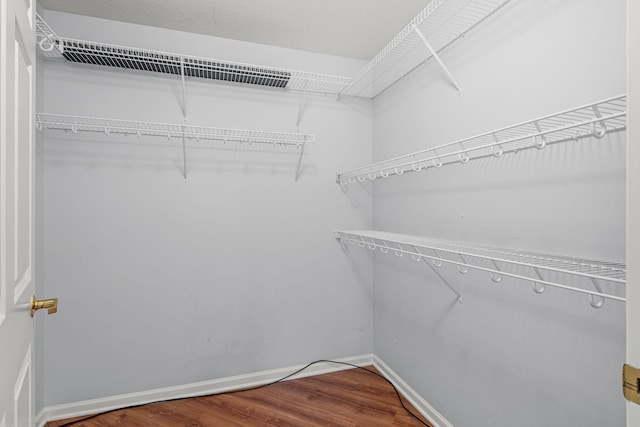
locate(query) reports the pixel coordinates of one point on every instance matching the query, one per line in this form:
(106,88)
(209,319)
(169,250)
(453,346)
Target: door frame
(633,197)
(17,210)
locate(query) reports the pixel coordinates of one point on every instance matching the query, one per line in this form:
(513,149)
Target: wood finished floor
(340,399)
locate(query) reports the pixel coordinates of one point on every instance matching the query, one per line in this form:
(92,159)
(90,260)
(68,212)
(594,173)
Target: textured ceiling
(351,28)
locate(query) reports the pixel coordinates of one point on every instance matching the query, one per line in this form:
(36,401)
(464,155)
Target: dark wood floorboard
(340,399)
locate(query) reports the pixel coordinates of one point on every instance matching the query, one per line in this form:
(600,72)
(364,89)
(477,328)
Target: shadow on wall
(162,154)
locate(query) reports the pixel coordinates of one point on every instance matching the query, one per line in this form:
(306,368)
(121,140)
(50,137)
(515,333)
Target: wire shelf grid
(591,120)
(540,269)
(75,124)
(442,22)
(110,55)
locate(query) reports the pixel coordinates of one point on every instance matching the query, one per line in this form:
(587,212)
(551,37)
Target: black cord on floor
(70,423)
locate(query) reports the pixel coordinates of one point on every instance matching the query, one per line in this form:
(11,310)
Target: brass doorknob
(50,304)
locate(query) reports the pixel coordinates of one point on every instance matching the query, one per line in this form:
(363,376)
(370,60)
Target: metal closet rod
(591,120)
(465,257)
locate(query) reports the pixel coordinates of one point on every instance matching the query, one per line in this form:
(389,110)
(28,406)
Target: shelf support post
(184,96)
(301,106)
(184,116)
(299,167)
(184,154)
(437,58)
(453,289)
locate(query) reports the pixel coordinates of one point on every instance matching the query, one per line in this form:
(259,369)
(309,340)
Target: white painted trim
(24,380)
(633,198)
(87,407)
(429,412)
(93,406)
(40,419)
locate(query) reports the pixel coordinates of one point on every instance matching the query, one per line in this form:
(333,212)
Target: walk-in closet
(219,193)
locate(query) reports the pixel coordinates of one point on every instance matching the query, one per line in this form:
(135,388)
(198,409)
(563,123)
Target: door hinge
(631,383)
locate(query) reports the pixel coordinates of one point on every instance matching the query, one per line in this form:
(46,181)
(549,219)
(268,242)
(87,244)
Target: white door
(17,68)
(633,197)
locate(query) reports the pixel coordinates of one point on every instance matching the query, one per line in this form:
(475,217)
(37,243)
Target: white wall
(164,283)
(507,356)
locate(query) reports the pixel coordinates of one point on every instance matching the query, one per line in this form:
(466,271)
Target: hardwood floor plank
(349,398)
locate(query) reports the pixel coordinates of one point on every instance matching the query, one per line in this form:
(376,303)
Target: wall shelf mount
(438,25)
(594,120)
(137,129)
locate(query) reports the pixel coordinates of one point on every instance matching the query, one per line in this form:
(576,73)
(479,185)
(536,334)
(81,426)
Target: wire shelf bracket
(436,27)
(302,105)
(184,91)
(360,241)
(594,120)
(47,39)
(499,263)
(299,167)
(433,268)
(186,133)
(435,56)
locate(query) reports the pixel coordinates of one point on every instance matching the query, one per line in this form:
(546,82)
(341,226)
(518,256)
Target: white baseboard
(94,406)
(411,395)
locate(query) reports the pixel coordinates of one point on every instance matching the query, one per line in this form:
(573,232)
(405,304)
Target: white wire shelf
(136,130)
(591,120)
(75,124)
(109,55)
(541,270)
(441,23)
